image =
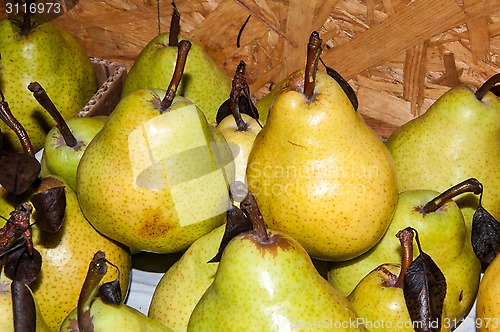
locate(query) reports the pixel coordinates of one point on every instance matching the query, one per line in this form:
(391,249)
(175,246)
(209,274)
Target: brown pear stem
(405,237)
(313,53)
(41,96)
(175,27)
(487,86)
(9,119)
(238,86)
(97,270)
(249,206)
(182,53)
(27,24)
(469,185)
(23,307)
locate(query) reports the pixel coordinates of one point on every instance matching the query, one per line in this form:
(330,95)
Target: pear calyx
(405,237)
(487,86)
(313,52)
(182,53)
(469,185)
(41,96)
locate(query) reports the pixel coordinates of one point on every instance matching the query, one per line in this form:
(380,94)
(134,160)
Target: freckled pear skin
(52,57)
(270,287)
(127,197)
(455,139)
(488,299)
(203,82)
(320,174)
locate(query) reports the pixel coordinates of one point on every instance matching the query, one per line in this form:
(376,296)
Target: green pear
(185,282)
(156,177)
(316,151)
(203,82)
(107,312)
(488,299)
(266,281)
(61,159)
(34,50)
(447,240)
(114,318)
(453,140)
(7,318)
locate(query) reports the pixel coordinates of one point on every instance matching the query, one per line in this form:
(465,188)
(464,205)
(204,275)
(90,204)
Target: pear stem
(97,270)
(313,53)
(405,237)
(469,185)
(182,53)
(9,119)
(175,27)
(487,86)
(41,96)
(249,206)
(27,24)
(239,82)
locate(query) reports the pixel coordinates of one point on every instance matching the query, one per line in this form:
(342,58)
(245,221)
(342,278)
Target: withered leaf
(111,292)
(50,207)
(236,223)
(19,171)
(424,289)
(23,306)
(20,266)
(485,235)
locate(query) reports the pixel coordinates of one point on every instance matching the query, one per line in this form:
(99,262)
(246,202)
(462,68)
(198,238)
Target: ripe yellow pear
(488,299)
(320,173)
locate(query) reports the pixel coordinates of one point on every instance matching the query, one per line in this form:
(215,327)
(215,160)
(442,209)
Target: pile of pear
(163,174)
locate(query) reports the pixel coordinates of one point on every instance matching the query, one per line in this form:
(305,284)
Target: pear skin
(488,299)
(270,287)
(111,318)
(321,174)
(203,82)
(143,173)
(183,285)
(453,140)
(447,240)
(54,58)
(65,257)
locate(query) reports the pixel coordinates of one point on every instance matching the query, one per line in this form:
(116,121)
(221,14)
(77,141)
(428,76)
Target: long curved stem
(182,53)
(9,119)
(405,237)
(469,185)
(313,53)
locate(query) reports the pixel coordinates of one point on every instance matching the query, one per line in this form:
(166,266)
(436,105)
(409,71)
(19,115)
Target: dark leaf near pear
(46,9)
(485,235)
(110,292)
(50,206)
(245,106)
(21,266)
(19,171)
(424,289)
(237,222)
(23,306)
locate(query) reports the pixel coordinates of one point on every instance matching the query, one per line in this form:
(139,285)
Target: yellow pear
(319,172)
(488,299)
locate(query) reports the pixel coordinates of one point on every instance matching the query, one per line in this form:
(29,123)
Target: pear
(488,299)
(453,140)
(203,82)
(239,128)
(108,312)
(316,151)
(34,50)
(443,233)
(7,318)
(384,285)
(184,283)
(156,176)
(266,281)
(65,143)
